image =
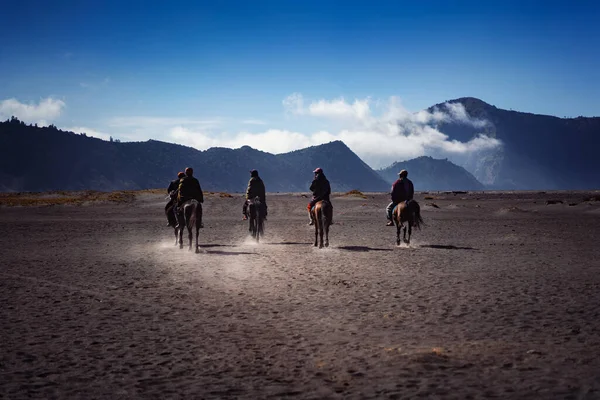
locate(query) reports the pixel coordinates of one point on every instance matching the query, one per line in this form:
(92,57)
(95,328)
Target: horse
(190,216)
(256,220)
(322,214)
(410,213)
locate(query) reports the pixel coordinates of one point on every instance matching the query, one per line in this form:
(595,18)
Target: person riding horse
(402,190)
(189,188)
(172,192)
(321,190)
(256,188)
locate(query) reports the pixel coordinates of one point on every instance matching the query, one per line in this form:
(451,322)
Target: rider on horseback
(172,191)
(189,188)
(256,187)
(402,190)
(321,190)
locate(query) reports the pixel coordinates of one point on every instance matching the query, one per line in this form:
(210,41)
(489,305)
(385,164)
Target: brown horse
(190,217)
(323,215)
(409,213)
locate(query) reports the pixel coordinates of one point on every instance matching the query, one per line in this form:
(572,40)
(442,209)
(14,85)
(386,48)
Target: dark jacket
(402,190)
(256,187)
(320,188)
(174,185)
(189,188)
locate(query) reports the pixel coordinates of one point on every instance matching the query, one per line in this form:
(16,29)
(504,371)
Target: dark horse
(257,216)
(190,216)
(411,214)
(322,214)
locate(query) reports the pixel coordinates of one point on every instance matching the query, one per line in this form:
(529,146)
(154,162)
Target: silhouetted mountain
(427,173)
(538,152)
(39,159)
(344,169)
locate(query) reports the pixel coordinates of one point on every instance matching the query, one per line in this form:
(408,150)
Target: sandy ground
(497,297)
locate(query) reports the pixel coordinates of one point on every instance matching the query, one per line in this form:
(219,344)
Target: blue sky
(219,72)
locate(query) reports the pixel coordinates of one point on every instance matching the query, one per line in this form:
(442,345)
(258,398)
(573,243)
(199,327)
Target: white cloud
(89,132)
(384,132)
(272,140)
(47,110)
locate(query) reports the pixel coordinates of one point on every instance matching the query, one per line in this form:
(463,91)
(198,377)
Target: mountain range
(42,159)
(537,152)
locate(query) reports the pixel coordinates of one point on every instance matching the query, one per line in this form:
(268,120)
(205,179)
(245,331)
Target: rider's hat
(253,172)
(403,173)
(318,170)
(189,171)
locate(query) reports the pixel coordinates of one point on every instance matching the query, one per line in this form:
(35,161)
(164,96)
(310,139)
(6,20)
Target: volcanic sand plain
(498,296)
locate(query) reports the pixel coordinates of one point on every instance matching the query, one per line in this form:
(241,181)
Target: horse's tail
(327,212)
(418,219)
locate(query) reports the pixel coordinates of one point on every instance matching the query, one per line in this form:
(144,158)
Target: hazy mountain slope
(427,173)
(539,151)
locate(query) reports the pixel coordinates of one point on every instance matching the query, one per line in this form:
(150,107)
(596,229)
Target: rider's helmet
(180,174)
(253,172)
(318,171)
(189,171)
(403,173)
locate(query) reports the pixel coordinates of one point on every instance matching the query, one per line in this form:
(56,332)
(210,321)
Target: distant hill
(344,169)
(40,159)
(539,151)
(427,173)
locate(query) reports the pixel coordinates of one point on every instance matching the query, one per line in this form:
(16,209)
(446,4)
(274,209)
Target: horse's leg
(321,223)
(197,232)
(326,233)
(409,232)
(316,227)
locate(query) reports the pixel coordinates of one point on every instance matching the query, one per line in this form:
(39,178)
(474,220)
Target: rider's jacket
(320,188)
(174,185)
(402,190)
(256,187)
(189,188)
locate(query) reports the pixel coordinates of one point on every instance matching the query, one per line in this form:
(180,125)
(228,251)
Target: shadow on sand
(446,247)
(228,253)
(361,248)
(289,243)
(216,245)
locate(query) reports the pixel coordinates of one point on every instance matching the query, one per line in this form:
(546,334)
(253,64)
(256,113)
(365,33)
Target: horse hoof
(197,251)
(326,244)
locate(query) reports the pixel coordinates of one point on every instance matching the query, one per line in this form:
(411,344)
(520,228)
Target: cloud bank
(379,132)
(42,113)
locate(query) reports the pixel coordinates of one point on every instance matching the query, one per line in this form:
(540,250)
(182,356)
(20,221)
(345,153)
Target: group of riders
(186,187)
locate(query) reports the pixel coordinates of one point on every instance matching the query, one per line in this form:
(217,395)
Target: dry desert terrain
(498,296)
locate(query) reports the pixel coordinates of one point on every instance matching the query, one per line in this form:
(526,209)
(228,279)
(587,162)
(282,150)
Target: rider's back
(189,188)
(256,187)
